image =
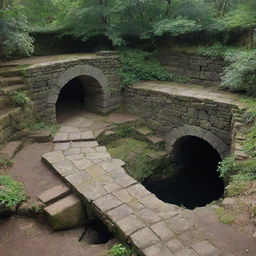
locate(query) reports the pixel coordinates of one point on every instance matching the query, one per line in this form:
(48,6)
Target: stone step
(6,81)
(11,88)
(10,149)
(54,194)
(6,113)
(142,132)
(10,71)
(74,136)
(4,102)
(156,142)
(66,213)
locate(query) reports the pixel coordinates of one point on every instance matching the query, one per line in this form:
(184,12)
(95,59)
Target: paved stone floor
(153,227)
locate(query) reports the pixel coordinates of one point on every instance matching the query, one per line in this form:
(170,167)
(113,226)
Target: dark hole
(97,233)
(71,100)
(197,181)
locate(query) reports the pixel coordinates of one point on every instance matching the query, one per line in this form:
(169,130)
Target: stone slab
(10,149)
(66,213)
(54,194)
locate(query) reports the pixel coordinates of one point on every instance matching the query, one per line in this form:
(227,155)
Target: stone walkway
(130,211)
(191,90)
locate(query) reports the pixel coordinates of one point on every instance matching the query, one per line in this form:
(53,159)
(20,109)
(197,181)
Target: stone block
(10,149)
(159,249)
(130,224)
(144,238)
(66,213)
(54,194)
(162,231)
(175,245)
(204,248)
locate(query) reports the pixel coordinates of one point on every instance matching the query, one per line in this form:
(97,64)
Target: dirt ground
(32,237)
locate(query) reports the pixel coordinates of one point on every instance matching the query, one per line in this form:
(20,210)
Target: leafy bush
(124,131)
(241,171)
(14,37)
(214,51)
(11,192)
(138,65)
(240,74)
(40,125)
(119,250)
(19,99)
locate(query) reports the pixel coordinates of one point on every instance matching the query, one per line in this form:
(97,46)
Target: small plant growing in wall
(5,163)
(11,192)
(19,99)
(119,250)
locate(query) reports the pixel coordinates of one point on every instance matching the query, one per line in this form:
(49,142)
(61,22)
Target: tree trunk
(250,37)
(168,8)
(224,7)
(1,4)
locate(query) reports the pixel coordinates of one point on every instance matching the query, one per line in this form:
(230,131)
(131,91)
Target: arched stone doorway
(195,154)
(82,86)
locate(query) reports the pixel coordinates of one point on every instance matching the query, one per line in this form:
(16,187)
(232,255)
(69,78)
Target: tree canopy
(119,19)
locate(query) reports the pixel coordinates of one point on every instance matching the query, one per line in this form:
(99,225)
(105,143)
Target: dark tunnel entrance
(197,181)
(71,100)
(80,93)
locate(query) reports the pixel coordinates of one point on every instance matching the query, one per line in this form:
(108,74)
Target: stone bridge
(172,110)
(97,72)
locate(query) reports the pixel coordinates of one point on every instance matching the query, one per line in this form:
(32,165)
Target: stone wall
(173,116)
(12,125)
(200,69)
(46,80)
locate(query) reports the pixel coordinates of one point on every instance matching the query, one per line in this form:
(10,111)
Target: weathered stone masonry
(174,116)
(200,69)
(98,73)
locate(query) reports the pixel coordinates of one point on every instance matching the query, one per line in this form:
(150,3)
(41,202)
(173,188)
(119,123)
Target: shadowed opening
(197,181)
(82,92)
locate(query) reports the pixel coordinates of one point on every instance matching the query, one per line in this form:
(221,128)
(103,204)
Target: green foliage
(11,192)
(19,99)
(141,167)
(40,125)
(240,75)
(139,65)
(224,216)
(241,171)
(14,37)
(119,250)
(226,168)
(124,131)
(214,51)
(5,163)
(175,27)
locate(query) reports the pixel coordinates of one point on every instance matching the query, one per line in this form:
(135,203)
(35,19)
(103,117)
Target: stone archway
(89,75)
(189,130)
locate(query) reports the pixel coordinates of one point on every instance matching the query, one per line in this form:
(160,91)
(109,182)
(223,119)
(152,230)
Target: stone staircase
(11,117)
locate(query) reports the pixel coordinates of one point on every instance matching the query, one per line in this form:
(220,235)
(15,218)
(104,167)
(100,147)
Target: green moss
(19,99)
(134,153)
(5,163)
(224,216)
(40,125)
(11,191)
(127,148)
(235,189)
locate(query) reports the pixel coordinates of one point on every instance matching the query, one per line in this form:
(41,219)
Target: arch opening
(78,95)
(196,182)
